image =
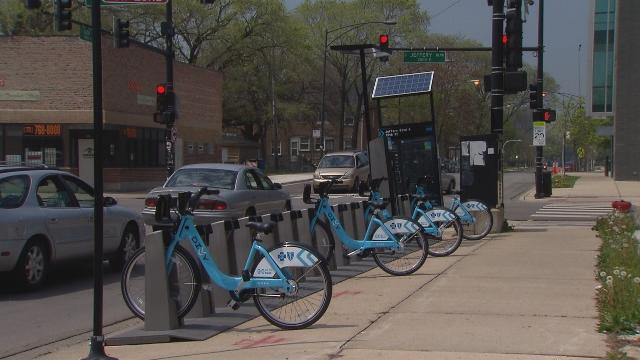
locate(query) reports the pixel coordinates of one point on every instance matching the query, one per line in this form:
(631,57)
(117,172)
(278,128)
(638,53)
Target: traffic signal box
(121,33)
(513,33)
(384,43)
(62,15)
(165,105)
(533,97)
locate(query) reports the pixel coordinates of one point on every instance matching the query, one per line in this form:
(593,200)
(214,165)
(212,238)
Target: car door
(68,226)
(84,196)
(271,196)
(254,185)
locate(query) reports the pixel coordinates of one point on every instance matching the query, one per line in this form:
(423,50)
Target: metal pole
(324,80)
(497,83)
(539,154)
(96,345)
(365,94)
(274,121)
(170,139)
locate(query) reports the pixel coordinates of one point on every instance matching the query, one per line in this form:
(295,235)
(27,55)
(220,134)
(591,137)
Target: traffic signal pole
(170,134)
(539,189)
(497,92)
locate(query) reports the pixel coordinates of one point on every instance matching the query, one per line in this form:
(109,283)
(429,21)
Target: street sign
(438,57)
(539,135)
(125,2)
(86,33)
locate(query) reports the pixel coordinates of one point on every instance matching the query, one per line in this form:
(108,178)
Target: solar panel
(398,85)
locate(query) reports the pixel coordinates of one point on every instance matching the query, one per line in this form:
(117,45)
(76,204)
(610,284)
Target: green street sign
(125,2)
(438,57)
(86,33)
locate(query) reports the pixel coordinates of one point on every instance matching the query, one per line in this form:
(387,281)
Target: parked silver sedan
(244,191)
(46,216)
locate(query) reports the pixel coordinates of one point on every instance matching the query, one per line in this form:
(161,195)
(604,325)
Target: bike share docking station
(229,243)
(406,148)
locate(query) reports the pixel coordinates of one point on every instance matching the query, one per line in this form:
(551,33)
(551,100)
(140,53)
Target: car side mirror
(109,201)
(315,165)
(277,186)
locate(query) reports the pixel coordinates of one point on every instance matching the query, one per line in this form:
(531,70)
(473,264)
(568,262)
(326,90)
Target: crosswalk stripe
(576,211)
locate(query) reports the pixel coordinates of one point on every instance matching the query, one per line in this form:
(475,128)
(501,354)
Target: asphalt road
(63,309)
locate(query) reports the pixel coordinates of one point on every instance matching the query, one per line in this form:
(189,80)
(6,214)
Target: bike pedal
(234,305)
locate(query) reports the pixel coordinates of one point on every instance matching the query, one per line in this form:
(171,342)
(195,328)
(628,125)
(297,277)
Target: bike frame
(187,230)
(323,208)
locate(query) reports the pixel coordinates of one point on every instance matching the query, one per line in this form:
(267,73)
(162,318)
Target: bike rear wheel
(322,240)
(184,282)
(308,272)
(409,258)
(443,229)
(478,227)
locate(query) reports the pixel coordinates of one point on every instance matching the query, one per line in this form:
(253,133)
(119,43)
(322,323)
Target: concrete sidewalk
(527,294)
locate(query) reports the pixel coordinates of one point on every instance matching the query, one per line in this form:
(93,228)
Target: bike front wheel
(411,254)
(443,230)
(476,220)
(322,240)
(309,276)
(184,282)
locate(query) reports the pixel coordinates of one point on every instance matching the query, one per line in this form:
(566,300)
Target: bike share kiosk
(406,148)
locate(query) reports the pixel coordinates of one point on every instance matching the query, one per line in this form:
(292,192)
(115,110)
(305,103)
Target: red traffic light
(384,40)
(161,89)
(547,116)
(505,39)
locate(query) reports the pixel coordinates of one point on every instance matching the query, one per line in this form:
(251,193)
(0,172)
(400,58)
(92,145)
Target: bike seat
(420,197)
(378,204)
(261,227)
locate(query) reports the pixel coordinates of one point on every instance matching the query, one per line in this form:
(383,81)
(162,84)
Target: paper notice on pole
(465,148)
(477,150)
(539,135)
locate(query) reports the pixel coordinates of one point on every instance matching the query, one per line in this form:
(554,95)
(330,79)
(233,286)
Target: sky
(566,33)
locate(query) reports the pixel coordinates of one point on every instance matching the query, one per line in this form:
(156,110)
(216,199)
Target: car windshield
(214,178)
(13,191)
(337,161)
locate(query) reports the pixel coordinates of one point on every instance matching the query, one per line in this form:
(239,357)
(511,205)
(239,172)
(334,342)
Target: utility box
(547,183)
(479,162)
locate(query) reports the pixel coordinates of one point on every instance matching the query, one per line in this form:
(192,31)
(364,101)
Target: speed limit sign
(539,135)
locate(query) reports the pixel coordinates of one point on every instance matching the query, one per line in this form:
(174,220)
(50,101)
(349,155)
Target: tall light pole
(347,28)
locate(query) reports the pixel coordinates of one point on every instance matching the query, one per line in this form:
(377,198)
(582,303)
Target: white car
(46,216)
(244,191)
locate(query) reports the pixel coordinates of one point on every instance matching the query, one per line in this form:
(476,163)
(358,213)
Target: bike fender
(285,256)
(395,226)
(436,215)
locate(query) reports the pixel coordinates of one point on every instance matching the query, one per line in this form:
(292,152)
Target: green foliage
(619,274)
(563,181)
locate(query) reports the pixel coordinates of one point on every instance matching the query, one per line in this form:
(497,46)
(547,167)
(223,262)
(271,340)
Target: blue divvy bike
(290,284)
(442,227)
(397,244)
(474,215)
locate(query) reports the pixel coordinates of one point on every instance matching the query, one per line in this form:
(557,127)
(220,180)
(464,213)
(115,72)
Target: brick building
(46,109)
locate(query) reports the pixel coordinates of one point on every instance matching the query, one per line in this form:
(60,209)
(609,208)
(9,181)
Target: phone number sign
(42,130)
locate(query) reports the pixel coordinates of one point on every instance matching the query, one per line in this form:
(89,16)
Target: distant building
(615,78)
(46,109)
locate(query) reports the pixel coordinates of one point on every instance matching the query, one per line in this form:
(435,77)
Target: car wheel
(129,243)
(33,266)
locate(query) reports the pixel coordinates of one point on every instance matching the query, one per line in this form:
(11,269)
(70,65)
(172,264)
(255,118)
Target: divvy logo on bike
(201,251)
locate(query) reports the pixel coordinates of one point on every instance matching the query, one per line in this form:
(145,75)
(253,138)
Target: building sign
(146,100)
(42,130)
(18,95)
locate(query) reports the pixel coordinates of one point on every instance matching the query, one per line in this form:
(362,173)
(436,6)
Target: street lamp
(347,28)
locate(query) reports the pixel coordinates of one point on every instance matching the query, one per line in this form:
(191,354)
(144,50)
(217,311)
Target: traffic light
(533,97)
(546,115)
(384,43)
(62,15)
(513,32)
(32,4)
(165,105)
(121,33)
